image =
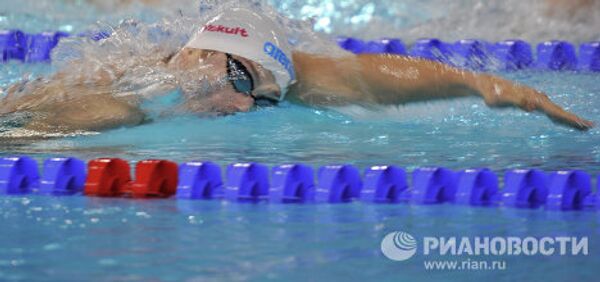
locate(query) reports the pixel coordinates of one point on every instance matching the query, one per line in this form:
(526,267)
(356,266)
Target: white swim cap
(250,35)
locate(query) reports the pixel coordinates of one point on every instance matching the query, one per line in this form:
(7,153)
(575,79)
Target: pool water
(92,239)
(78,238)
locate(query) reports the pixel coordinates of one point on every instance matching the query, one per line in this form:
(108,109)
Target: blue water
(77,238)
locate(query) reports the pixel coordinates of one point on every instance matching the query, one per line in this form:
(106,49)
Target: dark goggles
(242,81)
(239,76)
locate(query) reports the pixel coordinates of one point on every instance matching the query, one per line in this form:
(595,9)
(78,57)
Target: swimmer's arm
(52,108)
(93,112)
(78,98)
(407,80)
(390,79)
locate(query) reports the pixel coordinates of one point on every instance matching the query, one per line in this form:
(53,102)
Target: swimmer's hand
(498,92)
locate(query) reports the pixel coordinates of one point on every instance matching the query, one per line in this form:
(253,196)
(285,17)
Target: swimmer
(249,62)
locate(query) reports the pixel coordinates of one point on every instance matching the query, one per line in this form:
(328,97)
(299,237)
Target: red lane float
(112,178)
(155,179)
(107,178)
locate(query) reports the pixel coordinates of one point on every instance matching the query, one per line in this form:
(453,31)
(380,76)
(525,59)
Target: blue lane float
(477,187)
(590,202)
(556,55)
(383,184)
(338,184)
(63,176)
(513,54)
(433,185)
(94,35)
(432,49)
(292,183)
(31,48)
(39,46)
(589,56)
(351,44)
(473,54)
(12,45)
(18,175)
(247,182)
(199,180)
(97,36)
(595,198)
(384,46)
(394,46)
(568,190)
(525,188)
(374,47)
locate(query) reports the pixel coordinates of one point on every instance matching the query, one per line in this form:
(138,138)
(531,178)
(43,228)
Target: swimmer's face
(252,83)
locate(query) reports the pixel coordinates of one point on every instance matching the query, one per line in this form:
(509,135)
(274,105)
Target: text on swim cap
(228,30)
(279,56)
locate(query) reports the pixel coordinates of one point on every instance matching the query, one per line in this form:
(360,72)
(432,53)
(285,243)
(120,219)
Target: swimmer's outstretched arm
(391,79)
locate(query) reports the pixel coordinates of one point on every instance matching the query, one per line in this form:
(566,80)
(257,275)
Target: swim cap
(250,35)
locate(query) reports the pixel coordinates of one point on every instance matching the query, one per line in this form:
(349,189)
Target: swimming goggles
(242,81)
(239,76)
